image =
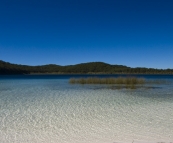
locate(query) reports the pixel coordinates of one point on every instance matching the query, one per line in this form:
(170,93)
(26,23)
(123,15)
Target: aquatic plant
(120,80)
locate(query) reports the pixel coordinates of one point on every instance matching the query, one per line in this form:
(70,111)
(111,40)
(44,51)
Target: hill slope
(83,68)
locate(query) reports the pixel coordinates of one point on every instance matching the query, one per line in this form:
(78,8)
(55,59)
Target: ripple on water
(40,112)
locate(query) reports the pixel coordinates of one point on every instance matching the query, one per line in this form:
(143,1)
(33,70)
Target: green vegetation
(129,82)
(119,82)
(83,68)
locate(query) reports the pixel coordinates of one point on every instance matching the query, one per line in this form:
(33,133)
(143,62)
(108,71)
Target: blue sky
(136,33)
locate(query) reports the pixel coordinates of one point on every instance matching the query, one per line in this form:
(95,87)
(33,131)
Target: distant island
(83,68)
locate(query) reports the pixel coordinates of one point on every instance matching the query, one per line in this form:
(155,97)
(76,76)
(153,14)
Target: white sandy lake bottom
(52,111)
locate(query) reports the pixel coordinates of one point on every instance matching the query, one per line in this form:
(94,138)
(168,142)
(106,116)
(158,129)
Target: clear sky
(136,33)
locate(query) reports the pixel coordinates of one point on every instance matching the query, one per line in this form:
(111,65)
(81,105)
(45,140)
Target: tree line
(83,68)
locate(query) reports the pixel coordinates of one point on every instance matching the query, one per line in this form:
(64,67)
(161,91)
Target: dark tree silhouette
(83,68)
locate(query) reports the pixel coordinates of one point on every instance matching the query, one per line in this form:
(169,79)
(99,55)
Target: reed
(72,80)
(128,81)
(119,82)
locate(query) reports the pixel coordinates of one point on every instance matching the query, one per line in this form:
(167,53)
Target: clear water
(47,109)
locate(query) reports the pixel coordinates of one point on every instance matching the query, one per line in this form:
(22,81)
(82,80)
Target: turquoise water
(47,109)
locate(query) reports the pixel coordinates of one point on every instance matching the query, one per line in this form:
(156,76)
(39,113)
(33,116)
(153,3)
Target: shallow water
(47,109)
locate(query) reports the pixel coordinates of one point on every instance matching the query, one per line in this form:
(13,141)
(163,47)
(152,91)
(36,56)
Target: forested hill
(83,68)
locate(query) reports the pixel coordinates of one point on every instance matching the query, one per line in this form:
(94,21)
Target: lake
(47,109)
